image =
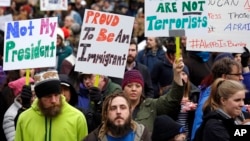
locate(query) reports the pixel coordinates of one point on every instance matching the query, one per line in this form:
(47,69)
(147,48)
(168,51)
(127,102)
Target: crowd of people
(198,96)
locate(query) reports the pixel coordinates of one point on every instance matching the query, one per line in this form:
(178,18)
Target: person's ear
(222,100)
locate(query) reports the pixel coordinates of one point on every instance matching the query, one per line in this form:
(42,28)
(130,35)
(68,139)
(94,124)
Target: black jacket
(162,76)
(218,127)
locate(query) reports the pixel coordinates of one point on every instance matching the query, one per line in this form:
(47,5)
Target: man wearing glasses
(226,68)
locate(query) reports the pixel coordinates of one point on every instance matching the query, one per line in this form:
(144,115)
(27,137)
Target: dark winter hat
(132,76)
(47,83)
(223,55)
(66,81)
(165,128)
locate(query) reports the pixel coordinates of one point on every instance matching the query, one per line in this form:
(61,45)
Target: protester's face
(135,26)
(237,57)
(183,41)
(68,21)
(133,90)
(235,74)
(184,76)
(233,105)
(66,92)
(151,42)
(119,117)
(1,10)
(78,1)
(88,81)
(118,112)
(106,4)
(58,40)
(22,72)
(50,105)
(13,5)
(132,52)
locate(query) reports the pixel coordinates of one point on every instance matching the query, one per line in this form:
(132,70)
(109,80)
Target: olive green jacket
(166,104)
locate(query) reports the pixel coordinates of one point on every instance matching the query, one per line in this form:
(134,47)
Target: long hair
(187,88)
(222,88)
(105,108)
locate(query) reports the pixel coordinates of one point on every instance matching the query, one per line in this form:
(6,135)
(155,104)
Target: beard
(51,111)
(130,59)
(119,130)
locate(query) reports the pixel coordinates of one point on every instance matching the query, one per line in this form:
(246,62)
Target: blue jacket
(199,112)
(246,82)
(83,99)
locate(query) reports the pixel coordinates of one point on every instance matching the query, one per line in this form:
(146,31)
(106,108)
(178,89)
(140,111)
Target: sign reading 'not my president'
(30,44)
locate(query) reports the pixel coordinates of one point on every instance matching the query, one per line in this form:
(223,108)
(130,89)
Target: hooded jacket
(74,96)
(9,120)
(69,125)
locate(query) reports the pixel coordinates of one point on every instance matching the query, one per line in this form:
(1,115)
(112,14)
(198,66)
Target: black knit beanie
(165,128)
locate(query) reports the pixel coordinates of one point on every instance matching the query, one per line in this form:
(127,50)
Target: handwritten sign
(4,2)
(30,44)
(3,19)
(228,28)
(46,5)
(104,43)
(162,16)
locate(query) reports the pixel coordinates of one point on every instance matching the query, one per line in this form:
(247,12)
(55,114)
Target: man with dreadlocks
(117,123)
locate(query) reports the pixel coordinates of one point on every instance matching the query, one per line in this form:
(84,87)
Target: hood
(83,91)
(66,80)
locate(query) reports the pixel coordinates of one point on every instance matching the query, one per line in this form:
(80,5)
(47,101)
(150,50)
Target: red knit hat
(26,8)
(132,76)
(66,32)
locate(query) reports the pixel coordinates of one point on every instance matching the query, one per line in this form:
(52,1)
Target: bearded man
(50,117)
(117,123)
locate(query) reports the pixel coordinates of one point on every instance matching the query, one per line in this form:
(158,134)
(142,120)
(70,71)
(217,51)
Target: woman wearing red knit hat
(145,110)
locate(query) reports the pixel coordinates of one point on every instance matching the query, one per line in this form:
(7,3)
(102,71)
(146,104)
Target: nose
(118,110)
(133,87)
(242,103)
(53,99)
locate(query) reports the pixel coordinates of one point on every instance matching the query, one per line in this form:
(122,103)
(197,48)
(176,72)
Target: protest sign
(30,44)
(104,43)
(5,3)
(48,5)
(3,19)
(228,28)
(163,16)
